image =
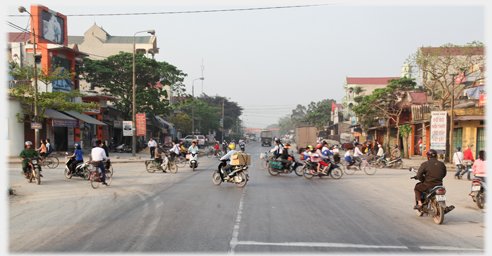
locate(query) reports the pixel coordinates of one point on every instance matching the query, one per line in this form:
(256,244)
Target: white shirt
(357,152)
(279,147)
(380,151)
(175,149)
(152,143)
(458,158)
(347,154)
(98,154)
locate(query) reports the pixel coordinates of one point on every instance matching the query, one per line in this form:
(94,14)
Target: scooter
(383,162)
(81,170)
(242,146)
(333,170)
(193,158)
(279,166)
(478,191)
(433,202)
(238,174)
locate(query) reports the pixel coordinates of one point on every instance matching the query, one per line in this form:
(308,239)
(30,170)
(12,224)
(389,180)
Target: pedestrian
(420,147)
(479,167)
(94,140)
(152,145)
(458,161)
(467,161)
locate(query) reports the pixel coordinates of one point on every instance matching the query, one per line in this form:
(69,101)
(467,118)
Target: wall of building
(15,130)
(469,134)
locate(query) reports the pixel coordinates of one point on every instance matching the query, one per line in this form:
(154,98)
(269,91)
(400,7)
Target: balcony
(16,83)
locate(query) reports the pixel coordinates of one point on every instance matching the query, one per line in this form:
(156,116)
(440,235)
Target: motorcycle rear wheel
(480,198)
(68,174)
(398,165)
(336,173)
(216,179)
(439,218)
(348,170)
(150,167)
(37,175)
(87,174)
(272,171)
(244,180)
(306,173)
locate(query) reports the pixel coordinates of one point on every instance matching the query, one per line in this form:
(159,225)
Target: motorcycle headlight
(34,161)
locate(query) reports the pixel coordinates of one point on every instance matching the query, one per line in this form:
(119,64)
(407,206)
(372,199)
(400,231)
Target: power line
(191,12)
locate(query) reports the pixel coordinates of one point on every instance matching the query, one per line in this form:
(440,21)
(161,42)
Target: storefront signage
(141,126)
(65,123)
(482,100)
(127,128)
(438,131)
(118,124)
(36,125)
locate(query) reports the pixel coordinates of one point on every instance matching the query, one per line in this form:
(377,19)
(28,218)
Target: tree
(444,69)
(207,118)
(405,131)
(45,100)
(114,75)
(181,122)
(232,111)
(319,114)
(383,103)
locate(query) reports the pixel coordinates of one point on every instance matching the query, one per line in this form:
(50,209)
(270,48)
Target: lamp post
(134,127)
(36,131)
(193,108)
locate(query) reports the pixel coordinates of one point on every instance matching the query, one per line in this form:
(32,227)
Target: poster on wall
(141,126)
(168,141)
(127,128)
(70,137)
(52,27)
(438,131)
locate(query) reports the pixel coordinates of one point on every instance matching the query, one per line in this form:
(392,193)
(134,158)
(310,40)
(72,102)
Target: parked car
(188,139)
(346,146)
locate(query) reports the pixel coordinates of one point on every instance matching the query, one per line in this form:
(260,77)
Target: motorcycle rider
(182,148)
(227,157)
(307,152)
(77,153)
(348,158)
(395,153)
(479,168)
(193,148)
(28,152)
(322,156)
(431,173)
(242,144)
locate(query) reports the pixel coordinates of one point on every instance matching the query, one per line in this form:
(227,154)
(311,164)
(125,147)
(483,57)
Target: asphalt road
(186,213)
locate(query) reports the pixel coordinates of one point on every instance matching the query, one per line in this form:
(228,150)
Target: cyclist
(98,155)
(183,150)
(174,151)
(158,155)
(216,148)
(28,152)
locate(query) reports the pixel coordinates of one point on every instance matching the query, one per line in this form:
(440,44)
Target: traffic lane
(355,211)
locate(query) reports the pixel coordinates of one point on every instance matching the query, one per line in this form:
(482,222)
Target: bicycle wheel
(348,170)
(55,160)
(37,175)
(94,180)
(261,164)
(49,162)
(111,170)
(306,173)
(150,166)
(181,162)
(369,170)
(109,178)
(173,168)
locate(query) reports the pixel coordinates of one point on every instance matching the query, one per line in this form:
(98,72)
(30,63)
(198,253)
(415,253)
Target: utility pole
(222,120)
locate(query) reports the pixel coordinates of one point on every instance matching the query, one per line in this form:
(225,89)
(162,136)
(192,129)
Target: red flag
(333,106)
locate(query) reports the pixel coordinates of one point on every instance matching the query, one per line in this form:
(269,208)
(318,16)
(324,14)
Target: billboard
(127,128)
(52,27)
(438,131)
(141,124)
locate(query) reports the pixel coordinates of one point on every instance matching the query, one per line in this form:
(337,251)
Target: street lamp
(193,108)
(36,131)
(134,125)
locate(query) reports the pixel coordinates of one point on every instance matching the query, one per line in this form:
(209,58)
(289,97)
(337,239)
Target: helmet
(319,146)
(310,147)
(224,141)
(458,148)
(277,140)
(181,143)
(77,145)
(28,143)
(431,153)
(232,146)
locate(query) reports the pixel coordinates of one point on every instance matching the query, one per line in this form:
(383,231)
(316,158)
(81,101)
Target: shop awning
(84,117)
(53,114)
(166,124)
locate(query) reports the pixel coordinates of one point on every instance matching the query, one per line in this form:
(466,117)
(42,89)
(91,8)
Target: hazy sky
(268,61)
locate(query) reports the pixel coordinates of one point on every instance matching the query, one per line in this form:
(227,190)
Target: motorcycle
(193,160)
(383,162)
(283,166)
(153,165)
(122,148)
(333,170)
(112,147)
(238,174)
(478,191)
(33,170)
(242,146)
(433,202)
(82,170)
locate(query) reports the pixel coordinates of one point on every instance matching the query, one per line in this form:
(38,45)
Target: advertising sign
(438,131)
(141,126)
(352,119)
(36,125)
(118,124)
(65,123)
(52,27)
(127,128)
(482,100)
(168,141)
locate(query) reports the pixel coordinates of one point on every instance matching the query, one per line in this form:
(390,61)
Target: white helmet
(28,143)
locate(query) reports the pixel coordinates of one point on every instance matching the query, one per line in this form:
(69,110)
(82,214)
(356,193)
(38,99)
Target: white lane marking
(235,233)
(362,246)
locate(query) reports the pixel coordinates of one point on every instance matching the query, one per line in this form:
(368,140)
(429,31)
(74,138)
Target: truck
(266,138)
(305,136)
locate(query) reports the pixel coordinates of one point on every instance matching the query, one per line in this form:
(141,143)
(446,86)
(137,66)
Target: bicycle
(363,166)
(50,160)
(213,152)
(262,162)
(96,177)
(180,161)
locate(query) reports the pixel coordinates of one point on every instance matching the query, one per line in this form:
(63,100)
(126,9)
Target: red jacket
(216,146)
(468,155)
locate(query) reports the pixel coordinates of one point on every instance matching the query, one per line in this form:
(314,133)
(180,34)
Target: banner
(141,126)
(65,123)
(482,100)
(438,131)
(127,128)
(335,116)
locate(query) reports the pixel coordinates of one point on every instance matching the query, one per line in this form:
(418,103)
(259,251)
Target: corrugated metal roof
(128,40)
(369,80)
(75,39)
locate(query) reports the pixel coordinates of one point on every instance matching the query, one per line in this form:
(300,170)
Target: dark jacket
(434,172)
